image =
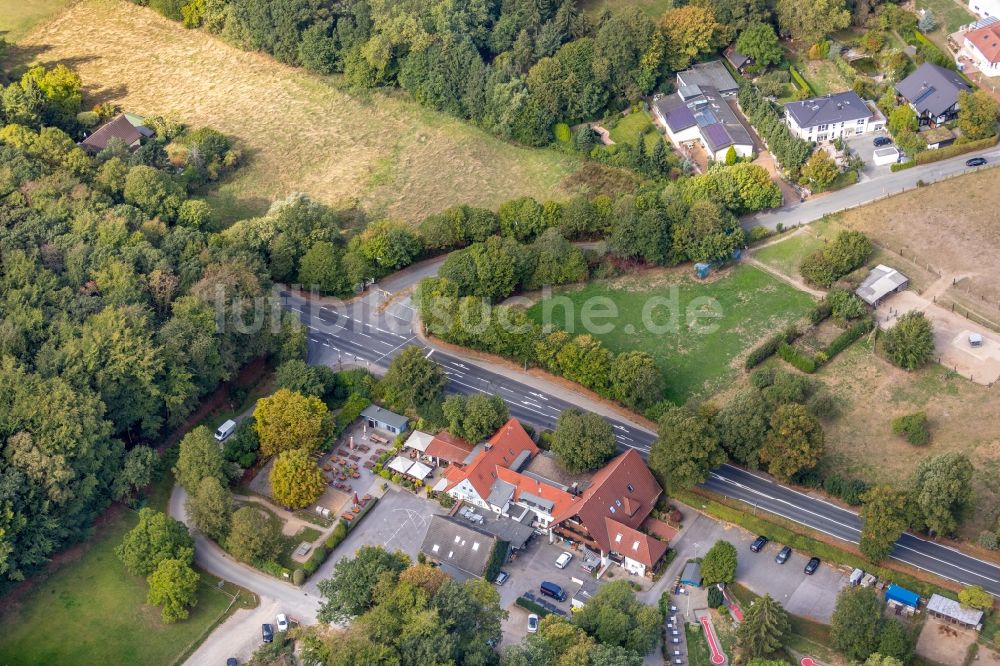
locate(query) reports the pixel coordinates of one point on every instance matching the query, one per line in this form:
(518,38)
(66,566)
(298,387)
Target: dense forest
(120,308)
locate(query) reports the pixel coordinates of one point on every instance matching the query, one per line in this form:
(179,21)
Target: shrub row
(800,81)
(353,406)
(848,337)
(821,312)
(928,156)
(532,607)
(796,358)
(340,532)
(789,150)
(769,347)
(497,559)
(900,166)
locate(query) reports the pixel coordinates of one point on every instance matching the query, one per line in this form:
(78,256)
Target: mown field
(301,132)
(18,17)
(90,611)
(750,303)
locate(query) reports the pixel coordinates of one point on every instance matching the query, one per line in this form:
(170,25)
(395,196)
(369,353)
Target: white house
(984,8)
(699,113)
(841,115)
(982,47)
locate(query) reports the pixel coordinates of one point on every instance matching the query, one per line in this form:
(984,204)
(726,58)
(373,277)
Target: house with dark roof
(118,127)
(382,419)
(739,61)
(608,516)
(830,117)
(982,46)
(462,550)
(932,92)
(699,113)
(712,74)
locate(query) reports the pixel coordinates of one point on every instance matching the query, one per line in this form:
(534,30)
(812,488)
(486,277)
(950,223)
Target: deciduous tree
(812,21)
(156,537)
(288,420)
(614,616)
(942,488)
(719,564)
(253,536)
(820,170)
(760,42)
(742,426)
(413,380)
(296,479)
(910,342)
(978,114)
(636,380)
(884,513)
(794,442)
(350,589)
(210,508)
(688,32)
(319,268)
(199,456)
(136,472)
(476,417)
(687,448)
(976,597)
(174,586)
(582,441)
(856,620)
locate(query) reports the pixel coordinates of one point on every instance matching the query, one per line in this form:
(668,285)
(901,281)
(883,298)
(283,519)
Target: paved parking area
(398,522)
(863,146)
(807,596)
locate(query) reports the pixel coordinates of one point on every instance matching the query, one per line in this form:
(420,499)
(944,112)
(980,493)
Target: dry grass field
(953,227)
(301,132)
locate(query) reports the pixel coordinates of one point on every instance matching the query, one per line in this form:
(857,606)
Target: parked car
(811,566)
(976,161)
(532,623)
(783,555)
(563,559)
(501,578)
(552,590)
(282,622)
(758,544)
(232,662)
(267,633)
(880,141)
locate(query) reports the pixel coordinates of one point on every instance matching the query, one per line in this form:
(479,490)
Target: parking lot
(813,596)
(398,522)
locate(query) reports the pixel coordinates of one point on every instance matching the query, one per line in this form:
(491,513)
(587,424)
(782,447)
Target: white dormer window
(457,538)
(612,509)
(475,546)
(451,554)
(630,488)
(618,502)
(635,546)
(435,548)
(618,538)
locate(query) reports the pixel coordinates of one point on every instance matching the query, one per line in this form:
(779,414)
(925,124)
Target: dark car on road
(811,566)
(267,633)
(880,141)
(783,555)
(758,544)
(976,161)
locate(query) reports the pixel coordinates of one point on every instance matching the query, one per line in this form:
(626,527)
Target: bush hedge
(928,156)
(800,81)
(899,166)
(769,347)
(796,358)
(849,336)
(532,607)
(715,598)
(497,559)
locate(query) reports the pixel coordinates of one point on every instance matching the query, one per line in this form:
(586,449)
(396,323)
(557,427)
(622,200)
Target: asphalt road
(815,208)
(371,331)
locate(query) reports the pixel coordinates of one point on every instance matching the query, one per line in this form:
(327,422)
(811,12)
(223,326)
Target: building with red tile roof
(609,513)
(983,46)
(448,448)
(509,447)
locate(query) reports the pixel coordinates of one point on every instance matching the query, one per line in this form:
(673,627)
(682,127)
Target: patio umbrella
(352,442)
(356,502)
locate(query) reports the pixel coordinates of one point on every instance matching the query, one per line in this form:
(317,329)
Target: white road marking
(429,353)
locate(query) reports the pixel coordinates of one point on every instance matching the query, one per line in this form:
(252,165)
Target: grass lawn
(786,255)
(89,611)
(300,132)
(822,75)
(750,305)
(949,14)
(632,126)
(18,17)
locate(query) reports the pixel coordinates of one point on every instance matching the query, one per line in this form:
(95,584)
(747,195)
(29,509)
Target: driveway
(863,146)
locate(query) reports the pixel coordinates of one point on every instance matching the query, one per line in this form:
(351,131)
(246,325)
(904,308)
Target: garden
(741,303)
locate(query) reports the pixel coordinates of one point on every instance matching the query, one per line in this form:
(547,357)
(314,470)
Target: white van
(225,430)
